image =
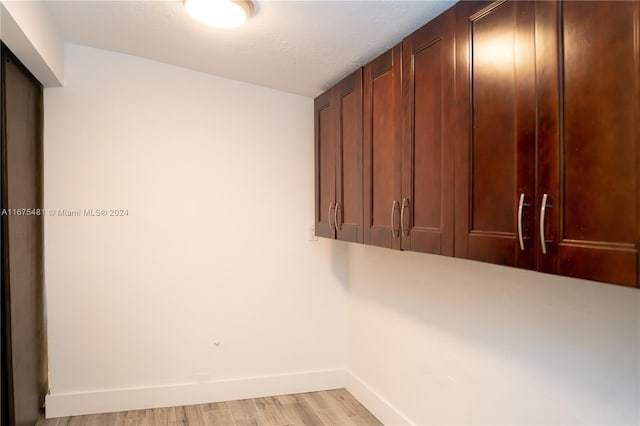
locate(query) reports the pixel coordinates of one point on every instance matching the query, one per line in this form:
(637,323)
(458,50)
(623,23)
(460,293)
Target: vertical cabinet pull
(394,207)
(520,206)
(329,215)
(405,230)
(338,225)
(543,211)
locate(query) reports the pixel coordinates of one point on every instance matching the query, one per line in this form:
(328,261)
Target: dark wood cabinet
(338,147)
(383,149)
(548,151)
(505,132)
(325,163)
(426,208)
(588,97)
(348,105)
(495,152)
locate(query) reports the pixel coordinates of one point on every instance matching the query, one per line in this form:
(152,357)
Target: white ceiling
(301,47)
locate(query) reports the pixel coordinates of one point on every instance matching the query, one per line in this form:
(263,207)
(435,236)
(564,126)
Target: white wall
(28,30)
(435,340)
(217,176)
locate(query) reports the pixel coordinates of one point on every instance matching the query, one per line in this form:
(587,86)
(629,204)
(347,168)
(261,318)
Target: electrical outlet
(311,233)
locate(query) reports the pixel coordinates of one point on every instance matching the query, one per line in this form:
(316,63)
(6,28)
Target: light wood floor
(331,408)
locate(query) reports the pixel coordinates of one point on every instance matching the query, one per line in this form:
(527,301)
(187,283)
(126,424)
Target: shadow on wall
(578,333)
(339,260)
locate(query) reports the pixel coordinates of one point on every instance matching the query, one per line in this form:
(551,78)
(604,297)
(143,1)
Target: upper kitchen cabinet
(325,164)
(338,154)
(426,208)
(495,152)
(506,132)
(588,91)
(548,150)
(383,149)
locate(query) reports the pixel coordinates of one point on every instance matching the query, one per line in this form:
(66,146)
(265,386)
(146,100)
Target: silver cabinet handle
(329,215)
(405,204)
(394,232)
(543,211)
(335,215)
(520,237)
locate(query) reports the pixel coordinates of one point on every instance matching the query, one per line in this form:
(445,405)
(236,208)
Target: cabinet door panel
(594,152)
(496,147)
(325,155)
(348,104)
(383,156)
(427,183)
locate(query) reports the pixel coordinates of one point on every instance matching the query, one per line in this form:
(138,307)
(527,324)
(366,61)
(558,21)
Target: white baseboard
(107,401)
(379,407)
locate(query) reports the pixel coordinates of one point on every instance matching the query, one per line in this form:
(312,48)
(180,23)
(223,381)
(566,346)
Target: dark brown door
(22,242)
(347,100)
(495,151)
(325,159)
(589,139)
(428,137)
(383,149)
(4,375)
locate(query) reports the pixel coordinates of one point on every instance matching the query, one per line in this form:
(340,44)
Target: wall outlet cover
(311,233)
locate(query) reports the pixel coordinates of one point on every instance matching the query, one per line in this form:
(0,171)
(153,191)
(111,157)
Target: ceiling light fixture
(220,13)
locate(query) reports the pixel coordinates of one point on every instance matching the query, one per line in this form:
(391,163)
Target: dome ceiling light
(220,13)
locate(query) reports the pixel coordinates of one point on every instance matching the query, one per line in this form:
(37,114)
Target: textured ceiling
(300,47)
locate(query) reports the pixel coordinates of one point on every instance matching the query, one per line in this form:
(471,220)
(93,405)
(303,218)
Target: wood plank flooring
(331,408)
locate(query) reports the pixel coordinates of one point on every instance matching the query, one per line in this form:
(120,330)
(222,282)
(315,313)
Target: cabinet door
(495,148)
(348,107)
(428,153)
(325,158)
(589,138)
(382,149)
